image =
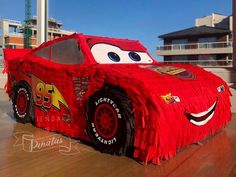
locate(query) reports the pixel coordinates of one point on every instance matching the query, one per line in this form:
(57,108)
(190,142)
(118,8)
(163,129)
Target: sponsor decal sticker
(173,71)
(169,98)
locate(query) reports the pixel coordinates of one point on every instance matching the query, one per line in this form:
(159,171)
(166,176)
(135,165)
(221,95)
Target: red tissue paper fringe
(161,129)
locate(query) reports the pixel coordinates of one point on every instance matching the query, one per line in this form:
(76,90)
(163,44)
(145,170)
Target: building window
(207,57)
(34,33)
(230,37)
(179,58)
(12,30)
(178,44)
(10,46)
(207,42)
(207,60)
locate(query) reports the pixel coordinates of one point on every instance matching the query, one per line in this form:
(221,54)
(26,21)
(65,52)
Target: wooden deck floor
(22,153)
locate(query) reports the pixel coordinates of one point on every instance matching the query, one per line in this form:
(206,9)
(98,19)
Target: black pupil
(113,56)
(134,56)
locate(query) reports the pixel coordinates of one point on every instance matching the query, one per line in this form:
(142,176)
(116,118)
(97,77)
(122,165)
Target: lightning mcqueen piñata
(112,93)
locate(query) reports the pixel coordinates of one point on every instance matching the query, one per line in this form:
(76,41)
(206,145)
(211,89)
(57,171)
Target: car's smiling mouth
(202,118)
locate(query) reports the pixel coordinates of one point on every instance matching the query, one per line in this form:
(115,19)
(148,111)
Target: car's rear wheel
(110,121)
(22,103)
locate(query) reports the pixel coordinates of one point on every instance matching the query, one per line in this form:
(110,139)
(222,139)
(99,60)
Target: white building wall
(5,26)
(204,21)
(231,23)
(210,20)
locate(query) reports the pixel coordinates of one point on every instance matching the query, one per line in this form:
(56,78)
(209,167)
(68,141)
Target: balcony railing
(11,21)
(15,34)
(205,63)
(207,45)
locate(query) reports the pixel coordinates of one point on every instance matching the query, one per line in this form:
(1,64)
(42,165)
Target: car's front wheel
(110,121)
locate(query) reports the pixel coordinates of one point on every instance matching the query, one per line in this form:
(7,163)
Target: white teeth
(205,112)
(201,114)
(202,122)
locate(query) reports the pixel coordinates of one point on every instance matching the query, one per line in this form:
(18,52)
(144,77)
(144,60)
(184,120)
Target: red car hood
(191,83)
(196,88)
(164,98)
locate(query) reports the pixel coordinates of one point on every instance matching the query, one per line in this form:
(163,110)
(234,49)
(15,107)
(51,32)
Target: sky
(142,20)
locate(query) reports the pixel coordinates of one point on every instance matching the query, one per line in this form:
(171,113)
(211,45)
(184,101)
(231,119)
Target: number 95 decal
(47,95)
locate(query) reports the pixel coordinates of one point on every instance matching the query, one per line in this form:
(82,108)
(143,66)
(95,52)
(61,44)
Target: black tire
(110,121)
(23,103)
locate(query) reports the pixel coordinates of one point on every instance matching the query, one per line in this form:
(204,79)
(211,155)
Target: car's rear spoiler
(13,55)
(9,54)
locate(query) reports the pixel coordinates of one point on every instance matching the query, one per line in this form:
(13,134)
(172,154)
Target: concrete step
(3,78)
(227,74)
(233,98)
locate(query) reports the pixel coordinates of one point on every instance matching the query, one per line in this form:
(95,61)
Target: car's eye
(113,56)
(134,56)
(221,88)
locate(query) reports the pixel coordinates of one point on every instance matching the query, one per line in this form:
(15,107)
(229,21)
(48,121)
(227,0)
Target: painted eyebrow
(128,50)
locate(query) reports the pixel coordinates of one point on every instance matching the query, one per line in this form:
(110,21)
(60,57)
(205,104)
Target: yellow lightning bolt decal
(57,98)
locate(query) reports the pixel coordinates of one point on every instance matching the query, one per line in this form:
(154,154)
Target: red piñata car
(112,93)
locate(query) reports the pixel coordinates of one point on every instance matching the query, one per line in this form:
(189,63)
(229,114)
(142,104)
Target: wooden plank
(215,157)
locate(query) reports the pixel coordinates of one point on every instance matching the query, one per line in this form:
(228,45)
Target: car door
(53,85)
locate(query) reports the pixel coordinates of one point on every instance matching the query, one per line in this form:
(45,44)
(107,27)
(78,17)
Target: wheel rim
(21,102)
(106,121)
